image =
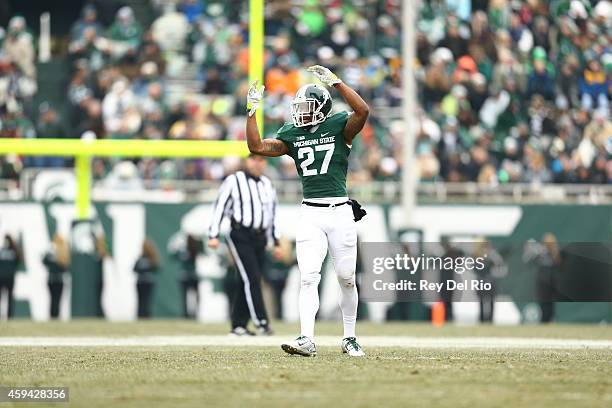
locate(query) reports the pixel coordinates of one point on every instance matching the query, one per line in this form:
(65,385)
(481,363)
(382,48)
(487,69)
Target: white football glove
(324,75)
(254,96)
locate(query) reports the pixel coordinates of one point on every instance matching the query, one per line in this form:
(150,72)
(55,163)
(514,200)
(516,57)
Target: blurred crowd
(515,91)
(509,90)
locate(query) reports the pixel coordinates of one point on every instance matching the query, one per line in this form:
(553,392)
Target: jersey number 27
(309,153)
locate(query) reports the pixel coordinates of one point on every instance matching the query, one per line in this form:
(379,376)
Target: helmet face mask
(311,106)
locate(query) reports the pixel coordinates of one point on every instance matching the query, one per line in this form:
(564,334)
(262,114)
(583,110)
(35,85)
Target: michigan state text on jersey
(318,148)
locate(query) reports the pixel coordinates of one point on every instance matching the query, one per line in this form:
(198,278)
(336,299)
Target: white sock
(348,306)
(309,304)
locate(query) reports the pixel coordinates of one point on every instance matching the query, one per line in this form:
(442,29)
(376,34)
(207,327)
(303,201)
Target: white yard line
(366,341)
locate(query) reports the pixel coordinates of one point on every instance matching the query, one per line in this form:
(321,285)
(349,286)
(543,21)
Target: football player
(320,144)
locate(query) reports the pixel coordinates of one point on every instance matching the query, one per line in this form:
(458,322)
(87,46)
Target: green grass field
(250,376)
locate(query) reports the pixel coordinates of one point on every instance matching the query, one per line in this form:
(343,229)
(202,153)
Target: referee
(248,199)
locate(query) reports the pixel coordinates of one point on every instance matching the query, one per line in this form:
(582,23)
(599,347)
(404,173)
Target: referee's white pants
(320,228)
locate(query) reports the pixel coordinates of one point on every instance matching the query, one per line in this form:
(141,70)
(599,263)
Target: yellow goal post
(84,150)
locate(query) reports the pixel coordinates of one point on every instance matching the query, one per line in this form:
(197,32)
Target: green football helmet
(312,105)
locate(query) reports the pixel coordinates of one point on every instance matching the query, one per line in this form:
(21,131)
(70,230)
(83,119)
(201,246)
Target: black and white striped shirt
(248,201)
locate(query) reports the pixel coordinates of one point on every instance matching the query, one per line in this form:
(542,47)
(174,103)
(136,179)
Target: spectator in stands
(124,177)
(494,106)
(563,170)
(16,89)
(453,39)
(87,23)
(15,124)
(536,170)
(215,83)
(87,48)
(92,122)
(19,46)
(150,51)
(121,118)
(49,126)
(388,38)
(508,69)
(540,82)
(79,94)
(478,92)
(599,130)
(125,35)
(193,9)
(567,84)
(154,113)
(482,35)
(597,173)
(149,74)
(282,78)
(437,82)
(594,86)
(170,30)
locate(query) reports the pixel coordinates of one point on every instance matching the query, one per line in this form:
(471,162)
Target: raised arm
(361,111)
(360,114)
(266,147)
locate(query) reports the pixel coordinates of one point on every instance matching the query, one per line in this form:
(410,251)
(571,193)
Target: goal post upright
(82,170)
(256,52)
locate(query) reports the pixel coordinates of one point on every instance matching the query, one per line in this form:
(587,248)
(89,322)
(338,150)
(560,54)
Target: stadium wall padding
(125,225)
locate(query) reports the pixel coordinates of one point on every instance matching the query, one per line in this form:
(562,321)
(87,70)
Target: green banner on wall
(126,225)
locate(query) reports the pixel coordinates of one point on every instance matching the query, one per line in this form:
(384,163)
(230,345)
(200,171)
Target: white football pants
(318,229)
